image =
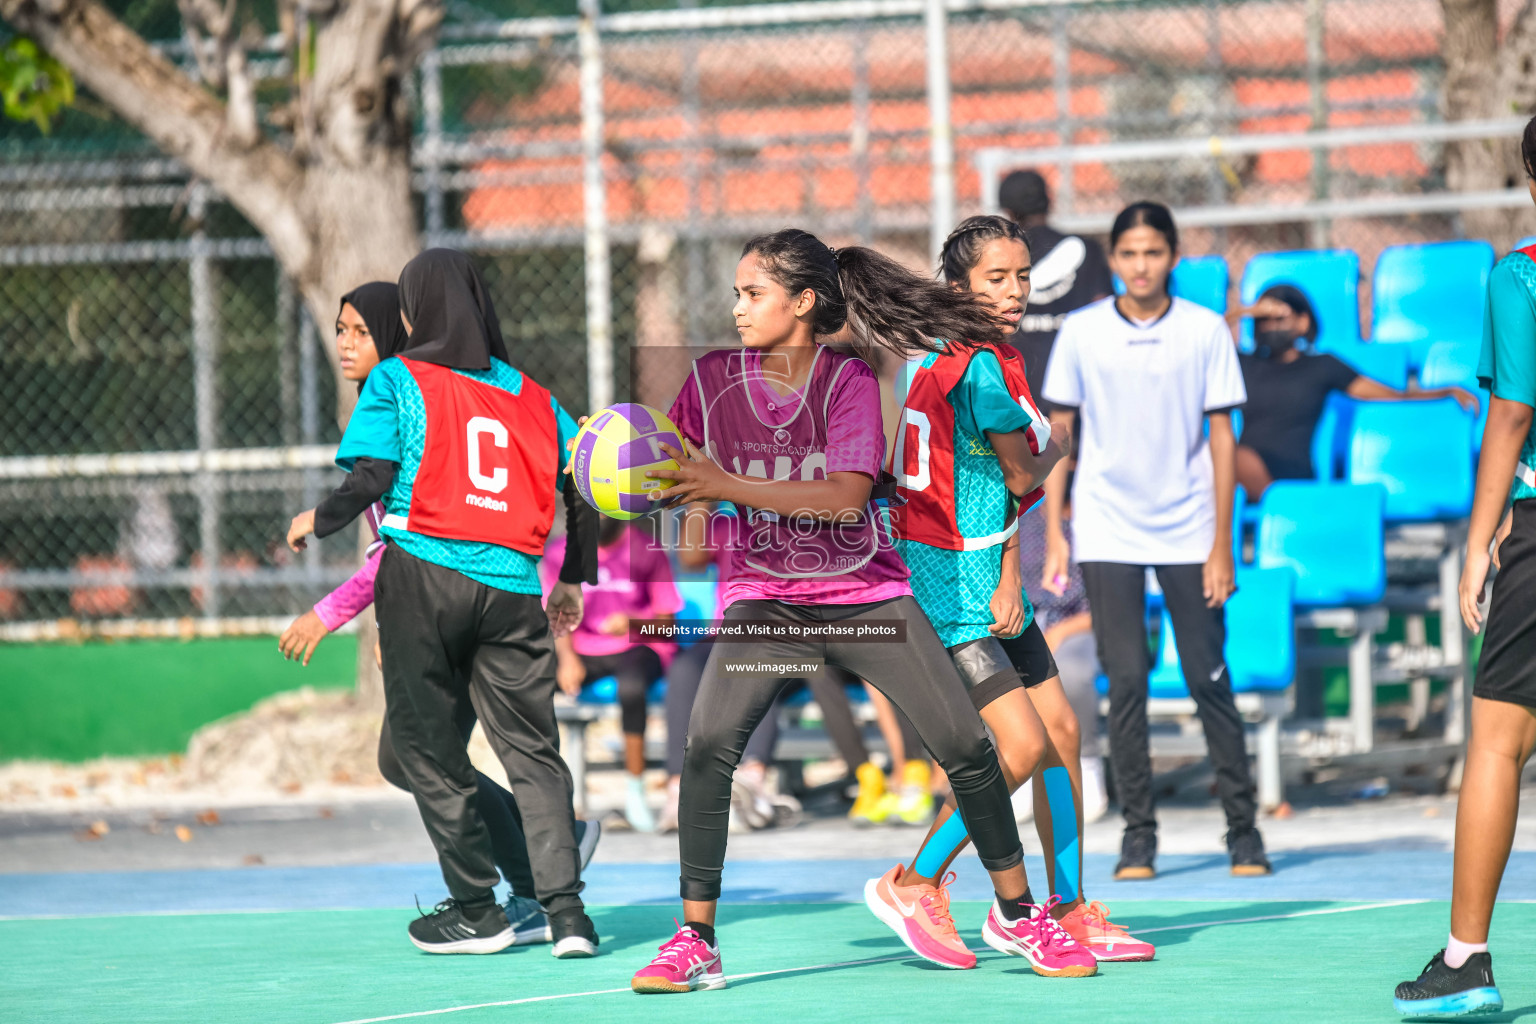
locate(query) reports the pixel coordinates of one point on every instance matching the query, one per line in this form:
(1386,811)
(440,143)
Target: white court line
(874,960)
(1281,917)
(613,991)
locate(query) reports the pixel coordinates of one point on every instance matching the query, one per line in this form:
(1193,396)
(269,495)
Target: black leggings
(1117,596)
(918,676)
(687,672)
(498,807)
(634,670)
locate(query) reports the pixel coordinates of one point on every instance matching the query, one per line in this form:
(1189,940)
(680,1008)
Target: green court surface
(74,702)
(1271,962)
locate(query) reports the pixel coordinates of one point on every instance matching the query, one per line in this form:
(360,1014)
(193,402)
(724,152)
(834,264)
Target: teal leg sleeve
(1058,793)
(940,846)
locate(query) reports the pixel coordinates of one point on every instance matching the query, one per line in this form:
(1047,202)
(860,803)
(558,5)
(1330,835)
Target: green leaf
(33,86)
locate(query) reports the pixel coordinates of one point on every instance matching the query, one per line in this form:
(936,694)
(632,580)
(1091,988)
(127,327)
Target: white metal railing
(216,460)
(992,161)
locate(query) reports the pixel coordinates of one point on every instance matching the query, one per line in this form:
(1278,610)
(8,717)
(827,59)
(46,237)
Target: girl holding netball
(1146,372)
(790,432)
(971,446)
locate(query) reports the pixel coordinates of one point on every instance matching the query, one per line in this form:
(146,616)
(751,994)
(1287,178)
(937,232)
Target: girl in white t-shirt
(1145,372)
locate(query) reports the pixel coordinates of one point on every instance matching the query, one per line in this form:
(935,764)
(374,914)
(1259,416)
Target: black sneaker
(588,832)
(1138,849)
(453,927)
(1247,849)
(1444,991)
(573,933)
(530,925)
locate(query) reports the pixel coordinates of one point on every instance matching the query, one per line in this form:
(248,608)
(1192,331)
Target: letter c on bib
(497,481)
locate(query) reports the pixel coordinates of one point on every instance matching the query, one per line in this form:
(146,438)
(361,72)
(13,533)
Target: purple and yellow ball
(614,449)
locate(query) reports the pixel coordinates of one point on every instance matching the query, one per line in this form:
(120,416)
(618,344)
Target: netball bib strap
(489,462)
(924,459)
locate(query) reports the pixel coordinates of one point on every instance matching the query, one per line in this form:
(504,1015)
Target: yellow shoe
(915,805)
(866,804)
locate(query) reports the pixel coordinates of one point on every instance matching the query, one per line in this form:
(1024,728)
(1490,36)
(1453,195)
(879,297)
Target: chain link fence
(140,314)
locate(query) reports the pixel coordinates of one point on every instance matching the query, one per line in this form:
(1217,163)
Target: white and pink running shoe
(684,963)
(1051,951)
(919,915)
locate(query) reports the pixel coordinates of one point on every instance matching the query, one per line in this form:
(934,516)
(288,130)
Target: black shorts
(1506,670)
(991,667)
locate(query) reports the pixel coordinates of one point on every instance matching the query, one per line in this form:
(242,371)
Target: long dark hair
(1144,214)
(1528,148)
(962,249)
(881,302)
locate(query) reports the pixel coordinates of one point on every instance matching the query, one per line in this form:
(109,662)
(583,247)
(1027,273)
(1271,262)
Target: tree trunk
(336,205)
(1484,81)
(335,202)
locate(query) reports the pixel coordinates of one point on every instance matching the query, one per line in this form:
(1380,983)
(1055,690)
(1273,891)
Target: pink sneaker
(1051,951)
(1090,925)
(683,964)
(919,915)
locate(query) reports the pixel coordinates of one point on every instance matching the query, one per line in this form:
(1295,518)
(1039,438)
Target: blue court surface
(1324,939)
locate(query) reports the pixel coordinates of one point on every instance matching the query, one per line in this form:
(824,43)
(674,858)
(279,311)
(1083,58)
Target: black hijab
(378,303)
(453,323)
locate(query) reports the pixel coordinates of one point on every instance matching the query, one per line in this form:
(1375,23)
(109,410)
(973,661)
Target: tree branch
(183,118)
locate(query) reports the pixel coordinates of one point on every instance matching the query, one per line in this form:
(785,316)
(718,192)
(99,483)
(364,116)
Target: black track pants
(445,636)
(1117,598)
(918,676)
(497,806)
(687,672)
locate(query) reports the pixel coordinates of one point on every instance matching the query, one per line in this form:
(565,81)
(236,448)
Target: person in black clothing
(1068,273)
(1288,386)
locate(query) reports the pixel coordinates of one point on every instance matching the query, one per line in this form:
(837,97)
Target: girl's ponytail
(881,302)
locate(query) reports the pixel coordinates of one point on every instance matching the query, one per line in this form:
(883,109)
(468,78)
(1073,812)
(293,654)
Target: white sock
(1457,952)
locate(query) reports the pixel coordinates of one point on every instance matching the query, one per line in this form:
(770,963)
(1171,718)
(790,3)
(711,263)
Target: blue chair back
(1328,436)
(1452,364)
(1261,638)
(1331,280)
(1202,279)
(1384,362)
(1330,535)
(1420,452)
(1261,631)
(606,691)
(700,599)
(1421,294)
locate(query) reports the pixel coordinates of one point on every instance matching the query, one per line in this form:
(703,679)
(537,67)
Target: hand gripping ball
(614,449)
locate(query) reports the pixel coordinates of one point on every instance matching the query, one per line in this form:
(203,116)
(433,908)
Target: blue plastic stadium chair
(606,691)
(1261,630)
(1329,435)
(1329,277)
(700,603)
(1384,362)
(1330,535)
(1261,638)
(1421,452)
(1202,279)
(1452,364)
(1421,294)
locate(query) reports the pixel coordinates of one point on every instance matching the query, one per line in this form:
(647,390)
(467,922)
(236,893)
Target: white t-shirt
(1145,490)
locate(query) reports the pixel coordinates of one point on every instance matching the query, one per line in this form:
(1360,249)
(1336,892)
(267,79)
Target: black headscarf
(452,320)
(378,303)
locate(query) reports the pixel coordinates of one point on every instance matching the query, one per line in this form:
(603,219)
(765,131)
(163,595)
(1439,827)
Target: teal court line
(871,960)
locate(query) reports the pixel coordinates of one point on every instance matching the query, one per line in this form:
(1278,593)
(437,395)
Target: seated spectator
(634,581)
(1288,386)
